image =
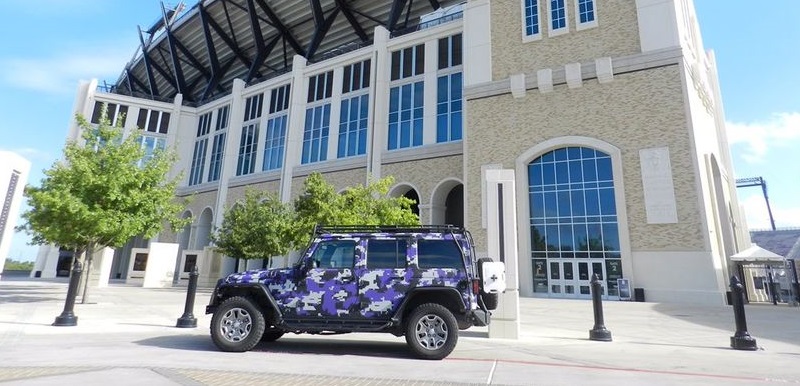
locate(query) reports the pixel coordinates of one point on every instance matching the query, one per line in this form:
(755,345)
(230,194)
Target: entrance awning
(756,254)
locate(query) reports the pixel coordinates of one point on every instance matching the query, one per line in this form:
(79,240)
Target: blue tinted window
(353,127)
(531,17)
(586,11)
(315,134)
(405,116)
(572,214)
(448,108)
(558,14)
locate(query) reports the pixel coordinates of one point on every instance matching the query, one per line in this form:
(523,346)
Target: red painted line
(588,367)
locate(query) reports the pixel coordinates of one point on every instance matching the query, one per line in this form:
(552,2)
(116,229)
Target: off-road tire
(237,325)
(271,335)
(431,331)
(490,300)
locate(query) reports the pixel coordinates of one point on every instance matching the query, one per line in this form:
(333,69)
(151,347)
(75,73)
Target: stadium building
(608,113)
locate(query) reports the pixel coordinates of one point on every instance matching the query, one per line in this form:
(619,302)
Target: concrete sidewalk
(127,336)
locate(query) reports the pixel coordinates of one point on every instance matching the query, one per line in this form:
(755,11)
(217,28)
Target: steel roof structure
(198,53)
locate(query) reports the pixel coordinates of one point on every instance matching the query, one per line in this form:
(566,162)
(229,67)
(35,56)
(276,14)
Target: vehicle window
(438,254)
(386,253)
(335,254)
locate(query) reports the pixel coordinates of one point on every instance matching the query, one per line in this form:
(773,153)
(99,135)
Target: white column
(295,125)
(502,246)
(231,152)
(430,87)
(379,100)
(336,109)
(478,42)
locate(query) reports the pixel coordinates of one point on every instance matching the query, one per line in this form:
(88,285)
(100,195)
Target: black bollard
(67,317)
(187,320)
(741,340)
(599,332)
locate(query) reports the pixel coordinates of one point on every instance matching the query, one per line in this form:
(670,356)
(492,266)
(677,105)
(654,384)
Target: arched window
(573,221)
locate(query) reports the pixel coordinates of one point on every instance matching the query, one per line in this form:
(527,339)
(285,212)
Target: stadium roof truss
(200,52)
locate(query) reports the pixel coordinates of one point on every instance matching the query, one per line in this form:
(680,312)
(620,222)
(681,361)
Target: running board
(316,325)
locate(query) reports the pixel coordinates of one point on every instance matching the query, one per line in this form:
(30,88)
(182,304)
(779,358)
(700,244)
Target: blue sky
(49,45)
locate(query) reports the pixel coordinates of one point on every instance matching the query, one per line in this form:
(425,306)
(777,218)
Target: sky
(50,45)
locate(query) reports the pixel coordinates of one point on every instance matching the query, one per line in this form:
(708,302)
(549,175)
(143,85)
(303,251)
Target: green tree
(104,192)
(259,227)
(358,205)
(13,265)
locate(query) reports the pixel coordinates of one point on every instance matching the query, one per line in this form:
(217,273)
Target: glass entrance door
(571,278)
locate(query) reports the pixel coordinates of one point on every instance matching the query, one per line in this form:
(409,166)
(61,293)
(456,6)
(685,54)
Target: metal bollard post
(67,317)
(741,340)
(187,320)
(599,332)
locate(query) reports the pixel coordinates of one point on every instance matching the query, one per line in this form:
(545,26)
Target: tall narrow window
(275,137)
(318,118)
(315,134)
(354,110)
(200,146)
(406,98)
(558,17)
(218,147)
(247,150)
(249,140)
(585,14)
(530,16)
(449,119)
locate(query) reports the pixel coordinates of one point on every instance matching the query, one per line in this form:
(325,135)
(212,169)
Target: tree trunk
(87,270)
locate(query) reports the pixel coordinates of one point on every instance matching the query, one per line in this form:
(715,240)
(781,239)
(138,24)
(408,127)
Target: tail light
(476,286)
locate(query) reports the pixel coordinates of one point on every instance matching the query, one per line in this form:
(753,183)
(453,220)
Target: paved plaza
(127,336)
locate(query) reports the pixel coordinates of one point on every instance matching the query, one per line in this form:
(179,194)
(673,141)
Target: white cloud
(758,217)
(759,137)
(59,74)
(31,154)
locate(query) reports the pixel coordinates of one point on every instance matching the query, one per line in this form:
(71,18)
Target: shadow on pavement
(180,342)
(26,298)
(763,320)
(324,346)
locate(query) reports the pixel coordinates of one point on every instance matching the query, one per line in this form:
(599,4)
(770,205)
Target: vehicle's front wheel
(431,331)
(237,325)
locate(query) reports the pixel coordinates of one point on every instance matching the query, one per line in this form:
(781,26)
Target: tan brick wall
(339,180)
(617,34)
(198,202)
(425,174)
(637,110)
(237,193)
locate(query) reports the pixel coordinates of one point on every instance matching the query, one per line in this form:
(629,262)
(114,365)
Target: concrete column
(336,110)
(295,125)
(477,42)
(379,100)
(502,246)
(430,87)
(231,153)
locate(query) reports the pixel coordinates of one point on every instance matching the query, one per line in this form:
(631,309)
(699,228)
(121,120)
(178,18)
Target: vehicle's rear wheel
(271,335)
(490,300)
(237,325)
(431,331)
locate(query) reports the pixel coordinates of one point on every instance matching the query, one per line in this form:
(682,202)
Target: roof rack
(320,229)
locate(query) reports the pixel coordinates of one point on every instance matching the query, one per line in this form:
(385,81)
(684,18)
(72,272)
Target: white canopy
(757,254)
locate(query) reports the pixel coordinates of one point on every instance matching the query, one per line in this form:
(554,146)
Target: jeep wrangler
(421,282)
